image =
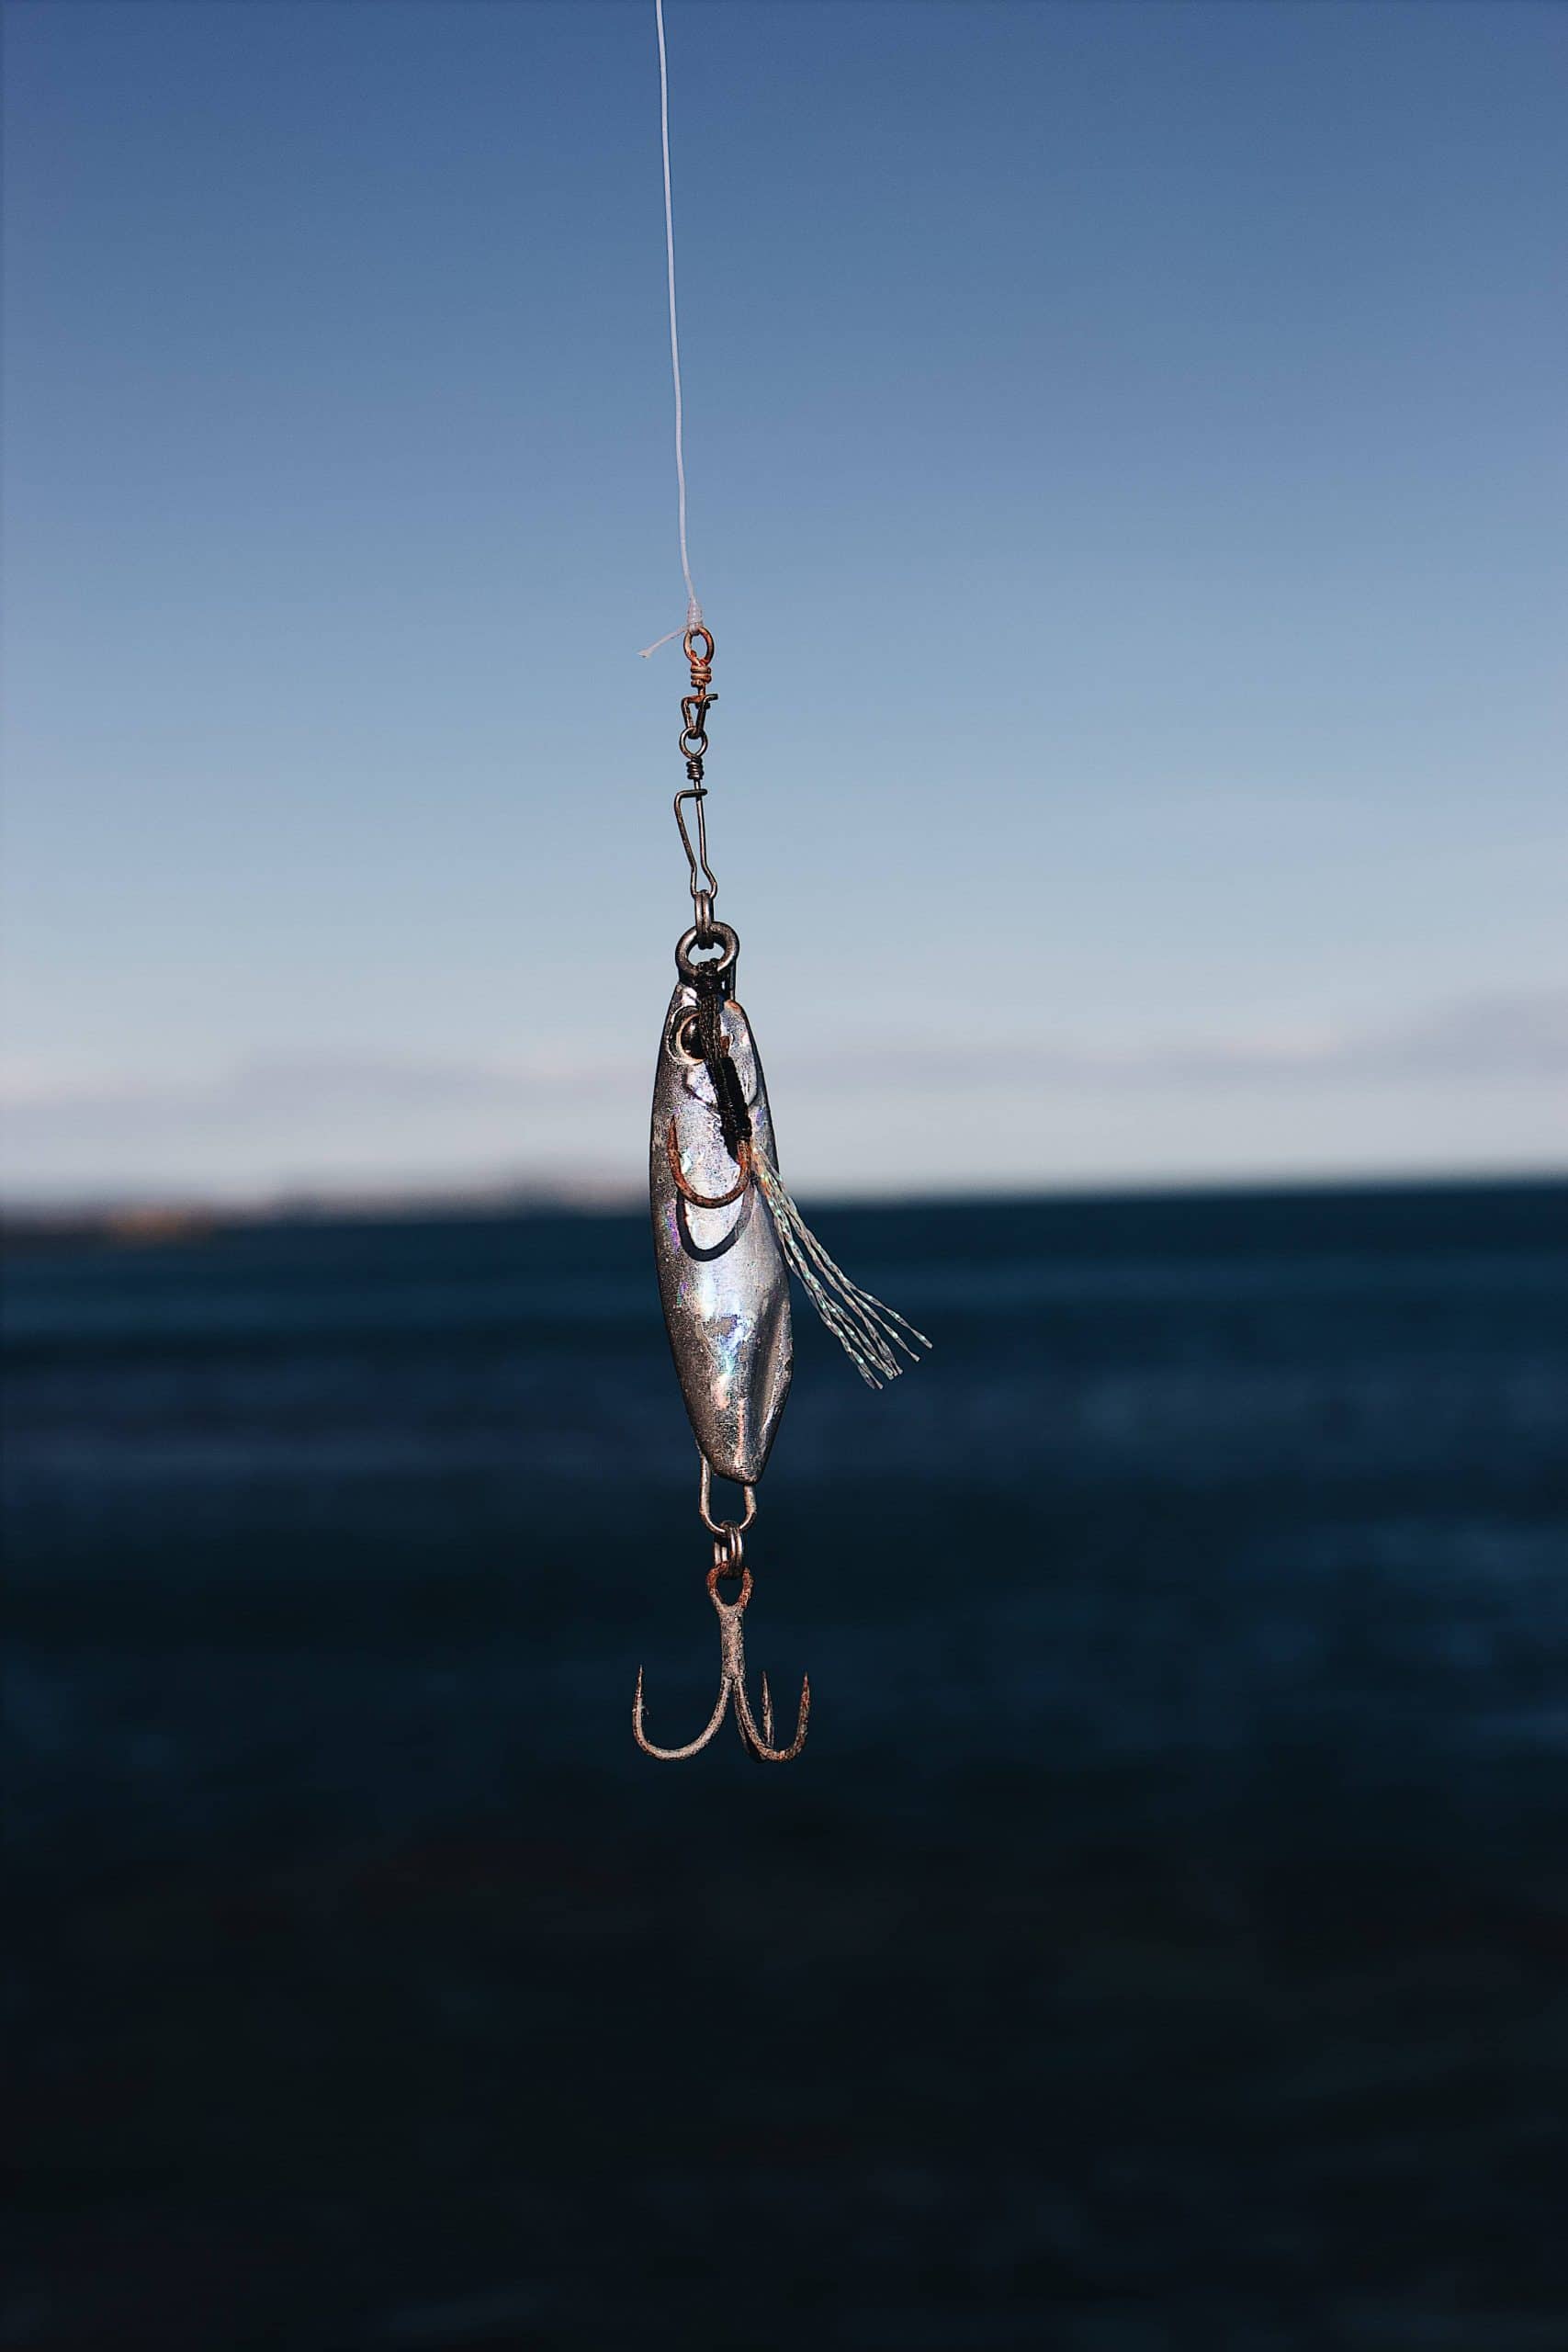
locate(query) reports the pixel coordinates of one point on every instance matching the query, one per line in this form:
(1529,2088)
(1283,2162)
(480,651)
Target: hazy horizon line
(161,1213)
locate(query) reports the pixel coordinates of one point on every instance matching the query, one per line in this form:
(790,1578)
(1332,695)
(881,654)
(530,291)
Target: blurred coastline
(1160,1944)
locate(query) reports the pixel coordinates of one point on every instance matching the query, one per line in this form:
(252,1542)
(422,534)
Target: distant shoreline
(130,1223)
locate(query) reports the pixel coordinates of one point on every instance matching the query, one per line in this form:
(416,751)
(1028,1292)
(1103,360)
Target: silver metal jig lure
(726,1237)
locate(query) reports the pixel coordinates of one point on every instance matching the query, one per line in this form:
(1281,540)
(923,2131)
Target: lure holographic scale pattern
(722,1275)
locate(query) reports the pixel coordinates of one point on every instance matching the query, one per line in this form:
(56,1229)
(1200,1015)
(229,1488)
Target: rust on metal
(756,1738)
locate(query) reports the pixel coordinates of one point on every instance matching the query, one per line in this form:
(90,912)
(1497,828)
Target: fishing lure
(726,1236)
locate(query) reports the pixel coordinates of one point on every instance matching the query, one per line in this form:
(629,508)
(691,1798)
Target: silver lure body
(722,1275)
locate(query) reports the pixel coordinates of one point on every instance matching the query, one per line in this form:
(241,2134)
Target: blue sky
(1127,489)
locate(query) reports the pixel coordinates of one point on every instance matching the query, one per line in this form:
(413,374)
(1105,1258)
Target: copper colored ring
(728,1549)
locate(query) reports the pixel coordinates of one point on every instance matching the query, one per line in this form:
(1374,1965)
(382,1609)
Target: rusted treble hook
(731,1685)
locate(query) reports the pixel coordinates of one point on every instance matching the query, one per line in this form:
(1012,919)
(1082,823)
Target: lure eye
(686,1041)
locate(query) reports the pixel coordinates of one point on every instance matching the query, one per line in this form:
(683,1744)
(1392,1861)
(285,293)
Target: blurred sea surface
(1162,1943)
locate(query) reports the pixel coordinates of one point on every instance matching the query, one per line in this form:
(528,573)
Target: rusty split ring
(728,1550)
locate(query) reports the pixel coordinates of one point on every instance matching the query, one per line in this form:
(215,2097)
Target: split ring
(729,1550)
(728,940)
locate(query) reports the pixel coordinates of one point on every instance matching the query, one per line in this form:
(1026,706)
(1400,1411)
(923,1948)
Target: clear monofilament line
(693,606)
(869,1332)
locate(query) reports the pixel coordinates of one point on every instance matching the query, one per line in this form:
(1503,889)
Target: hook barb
(761,1743)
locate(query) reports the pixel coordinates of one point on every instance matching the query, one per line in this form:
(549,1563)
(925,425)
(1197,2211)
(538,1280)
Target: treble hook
(731,1685)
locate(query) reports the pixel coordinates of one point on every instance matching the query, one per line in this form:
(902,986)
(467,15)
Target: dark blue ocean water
(1162,1943)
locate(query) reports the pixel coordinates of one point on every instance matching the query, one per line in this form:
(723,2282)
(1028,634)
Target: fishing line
(693,606)
(724,1272)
